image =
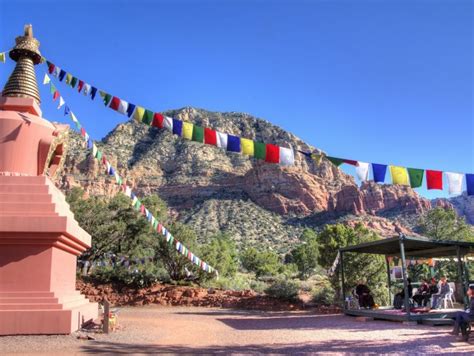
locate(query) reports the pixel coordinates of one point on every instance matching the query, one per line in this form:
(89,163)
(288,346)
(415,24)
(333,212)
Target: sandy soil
(155,330)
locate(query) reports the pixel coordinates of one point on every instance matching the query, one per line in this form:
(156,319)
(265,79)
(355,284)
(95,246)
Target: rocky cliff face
(253,201)
(463,204)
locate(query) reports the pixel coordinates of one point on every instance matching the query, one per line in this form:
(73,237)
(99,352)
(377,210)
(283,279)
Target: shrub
(323,296)
(283,288)
(258,286)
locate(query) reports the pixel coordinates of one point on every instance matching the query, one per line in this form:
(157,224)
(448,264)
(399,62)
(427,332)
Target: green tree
(306,254)
(357,266)
(445,224)
(221,253)
(264,263)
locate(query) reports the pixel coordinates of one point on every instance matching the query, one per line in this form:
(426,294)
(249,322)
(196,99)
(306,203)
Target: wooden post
(106,316)
(404,275)
(389,282)
(342,281)
(461,277)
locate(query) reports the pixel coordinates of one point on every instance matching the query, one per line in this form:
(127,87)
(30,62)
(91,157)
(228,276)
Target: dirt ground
(190,330)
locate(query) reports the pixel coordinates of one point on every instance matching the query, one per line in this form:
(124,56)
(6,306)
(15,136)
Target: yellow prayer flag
(247,146)
(68,78)
(138,114)
(399,175)
(188,130)
(2,57)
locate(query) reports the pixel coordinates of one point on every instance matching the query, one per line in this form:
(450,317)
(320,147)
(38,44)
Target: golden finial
(22,82)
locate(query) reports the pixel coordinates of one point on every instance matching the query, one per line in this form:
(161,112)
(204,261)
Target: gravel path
(154,330)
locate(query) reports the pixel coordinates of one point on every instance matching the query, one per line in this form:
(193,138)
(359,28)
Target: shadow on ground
(423,346)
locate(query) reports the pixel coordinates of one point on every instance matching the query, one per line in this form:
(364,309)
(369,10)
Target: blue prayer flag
(66,110)
(93,92)
(233,143)
(379,172)
(130,109)
(470,184)
(111,171)
(62,74)
(177,127)
(89,144)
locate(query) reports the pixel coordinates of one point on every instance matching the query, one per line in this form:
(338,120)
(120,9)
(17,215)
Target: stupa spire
(22,82)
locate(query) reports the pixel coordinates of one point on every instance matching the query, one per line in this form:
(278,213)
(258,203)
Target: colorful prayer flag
(434,179)
(80,86)
(362,171)
(157,120)
(50,67)
(272,153)
(148,117)
(177,127)
(139,112)
(247,146)
(210,136)
(73,82)
(399,175)
(106,97)
(93,92)
(55,95)
(187,130)
(46,79)
(233,143)
(130,109)
(379,171)
(87,89)
(68,78)
(260,150)
(470,183)
(287,157)
(168,123)
(66,110)
(115,102)
(2,57)
(416,177)
(61,102)
(123,107)
(221,140)
(454,182)
(62,74)
(198,133)
(338,161)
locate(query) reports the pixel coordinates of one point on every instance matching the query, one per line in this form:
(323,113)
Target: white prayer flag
(94,150)
(287,157)
(221,140)
(454,182)
(56,72)
(61,102)
(362,171)
(87,89)
(168,123)
(123,106)
(46,79)
(128,191)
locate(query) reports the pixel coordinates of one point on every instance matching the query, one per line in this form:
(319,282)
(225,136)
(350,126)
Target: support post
(389,282)
(343,292)
(106,316)
(461,279)
(404,275)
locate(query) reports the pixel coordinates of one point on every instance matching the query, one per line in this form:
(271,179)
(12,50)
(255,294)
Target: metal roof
(414,247)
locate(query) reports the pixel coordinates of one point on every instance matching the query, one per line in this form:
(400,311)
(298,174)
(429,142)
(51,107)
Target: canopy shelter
(410,247)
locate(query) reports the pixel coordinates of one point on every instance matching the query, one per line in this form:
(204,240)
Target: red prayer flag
(114,104)
(157,120)
(210,136)
(273,153)
(80,85)
(51,68)
(434,179)
(83,132)
(55,95)
(159,228)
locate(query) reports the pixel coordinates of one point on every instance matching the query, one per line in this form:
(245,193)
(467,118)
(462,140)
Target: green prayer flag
(260,150)
(148,117)
(171,240)
(107,99)
(138,204)
(416,177)
(52,88)
(73,82)
(155,224)
(198,133)
(99,154)
(336,161)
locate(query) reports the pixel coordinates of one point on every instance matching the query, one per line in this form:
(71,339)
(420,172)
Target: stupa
(39,237)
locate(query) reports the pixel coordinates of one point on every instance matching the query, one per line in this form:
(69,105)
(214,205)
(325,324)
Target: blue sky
(380,81)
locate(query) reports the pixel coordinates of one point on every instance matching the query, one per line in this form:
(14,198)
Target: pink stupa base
(39,237)
(39,243)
